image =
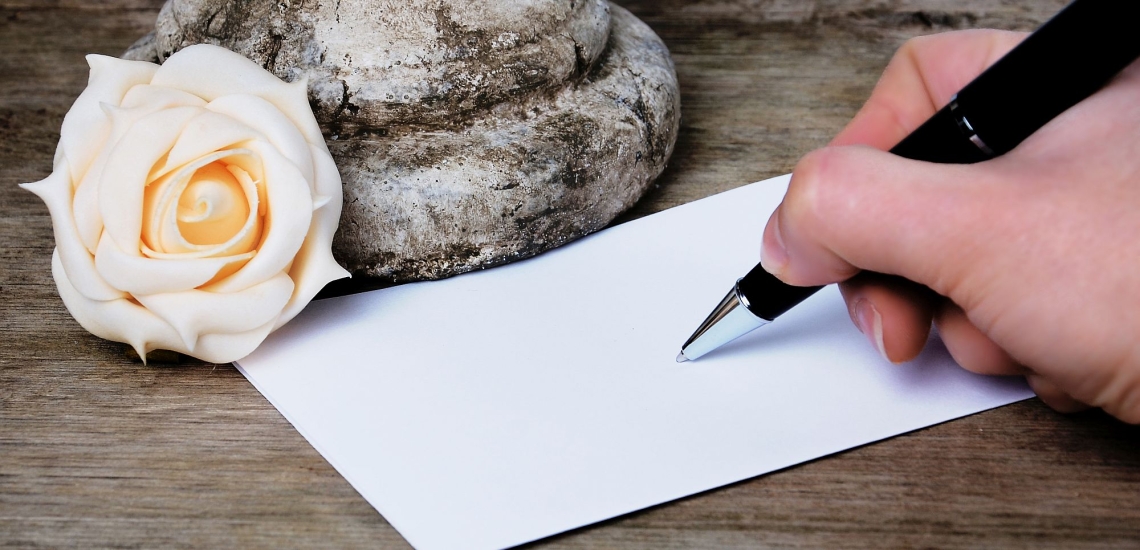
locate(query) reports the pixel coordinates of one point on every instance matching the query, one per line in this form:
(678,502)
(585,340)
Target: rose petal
(314,267)
(88,220)
(194,312)
(286,222)
(267,119)
(151,99)
(226,348)
(142,276)
(55,191)
(117,320)
(327,187)
(85,205)
(85,126)
(129,164)
(231,73)
(327,184)
(127,322)
(205,134)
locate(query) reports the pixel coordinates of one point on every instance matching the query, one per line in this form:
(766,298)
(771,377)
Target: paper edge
(607,516)
(767,473)
(324,455)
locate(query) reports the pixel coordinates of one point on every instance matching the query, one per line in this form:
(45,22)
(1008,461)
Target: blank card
(507,405)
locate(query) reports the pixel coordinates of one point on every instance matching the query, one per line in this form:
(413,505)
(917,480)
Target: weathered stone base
(534,169)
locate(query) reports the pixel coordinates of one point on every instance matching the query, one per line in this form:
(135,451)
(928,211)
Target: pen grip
(940,139)
(768,297)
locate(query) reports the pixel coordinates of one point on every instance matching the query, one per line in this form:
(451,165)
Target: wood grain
(97,451)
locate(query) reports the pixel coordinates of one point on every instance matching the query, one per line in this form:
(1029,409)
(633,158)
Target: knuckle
(817,192)
(1125,405)
(911,45)
(807,178)
(913,48)
(1128,411)
(809,210)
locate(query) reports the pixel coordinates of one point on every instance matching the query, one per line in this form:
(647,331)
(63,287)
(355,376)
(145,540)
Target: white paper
(504,406)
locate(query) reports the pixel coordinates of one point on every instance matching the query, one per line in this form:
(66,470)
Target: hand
(1033,257)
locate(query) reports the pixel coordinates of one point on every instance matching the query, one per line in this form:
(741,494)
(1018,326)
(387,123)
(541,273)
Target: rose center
(209,208)
(213,207)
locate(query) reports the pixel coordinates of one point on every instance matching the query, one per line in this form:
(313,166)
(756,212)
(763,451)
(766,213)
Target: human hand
(1033,257)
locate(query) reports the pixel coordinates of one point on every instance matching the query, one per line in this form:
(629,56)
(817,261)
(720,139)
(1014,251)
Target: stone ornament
(467,134)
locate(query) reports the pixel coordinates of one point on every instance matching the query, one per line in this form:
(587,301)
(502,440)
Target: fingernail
(871,324)
(773,255)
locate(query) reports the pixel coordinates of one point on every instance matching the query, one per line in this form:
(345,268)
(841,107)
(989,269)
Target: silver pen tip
(681,357)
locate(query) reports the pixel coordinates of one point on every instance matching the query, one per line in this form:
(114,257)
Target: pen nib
(681,357)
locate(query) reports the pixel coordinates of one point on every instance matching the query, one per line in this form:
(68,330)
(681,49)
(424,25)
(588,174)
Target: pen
(1066,60)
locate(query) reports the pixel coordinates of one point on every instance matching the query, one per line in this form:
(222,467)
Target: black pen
(1068,59)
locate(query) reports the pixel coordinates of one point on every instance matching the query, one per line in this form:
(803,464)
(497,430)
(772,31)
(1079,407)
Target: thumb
(856,208)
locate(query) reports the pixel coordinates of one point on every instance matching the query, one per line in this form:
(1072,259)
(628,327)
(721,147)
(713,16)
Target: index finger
(920,79)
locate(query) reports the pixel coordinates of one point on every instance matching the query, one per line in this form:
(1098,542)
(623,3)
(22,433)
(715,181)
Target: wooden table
(96,450)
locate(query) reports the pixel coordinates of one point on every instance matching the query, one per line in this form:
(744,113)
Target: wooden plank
(98,451)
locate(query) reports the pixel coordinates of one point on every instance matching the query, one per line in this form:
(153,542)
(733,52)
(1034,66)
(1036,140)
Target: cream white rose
(193,204)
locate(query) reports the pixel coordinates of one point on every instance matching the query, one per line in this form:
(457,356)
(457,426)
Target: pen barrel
(941,140)
(1068,59)
(768,297)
